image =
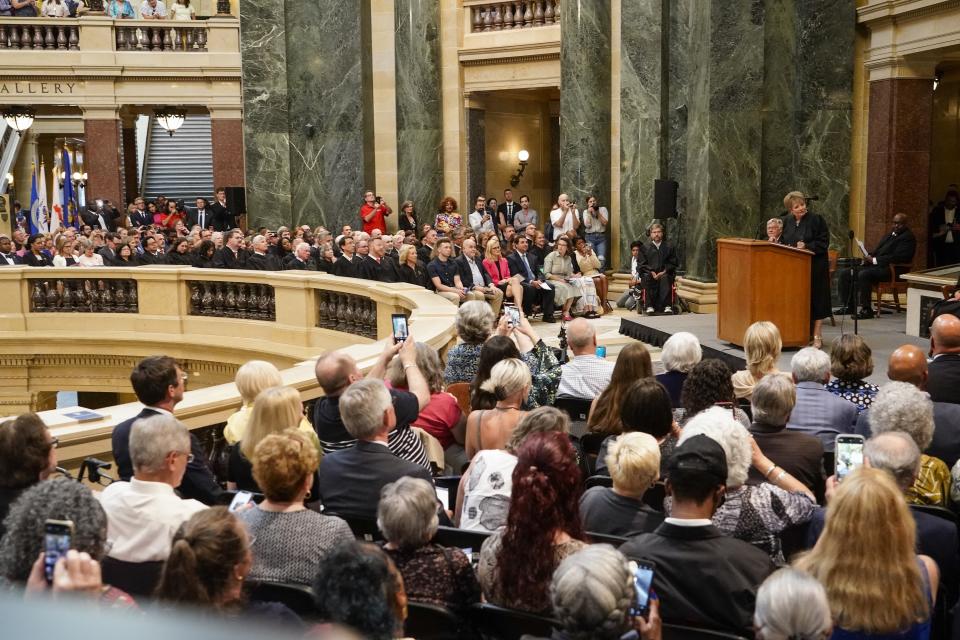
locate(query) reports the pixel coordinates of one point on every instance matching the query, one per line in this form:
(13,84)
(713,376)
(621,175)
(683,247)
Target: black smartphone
(513,315)
(400,330)
(642,583)
(57,538)
(848,454)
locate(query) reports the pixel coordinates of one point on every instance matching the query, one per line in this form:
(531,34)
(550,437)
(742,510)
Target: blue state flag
(38,221)
(71,219)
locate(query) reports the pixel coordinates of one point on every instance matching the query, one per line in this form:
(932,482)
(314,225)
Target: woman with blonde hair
(762,345)
(274,410)
(510,383)
(496,265)
(252,378)
(866,559)
(633,363)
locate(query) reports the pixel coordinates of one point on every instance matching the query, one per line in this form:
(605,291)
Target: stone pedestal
(585,101)
(102,158)
(226,137)
(419,108)
(898,158)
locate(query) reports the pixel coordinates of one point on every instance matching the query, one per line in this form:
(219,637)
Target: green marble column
(326,47)
(640,95)
(476,157)
(585,100)
(265,115)
(419,111)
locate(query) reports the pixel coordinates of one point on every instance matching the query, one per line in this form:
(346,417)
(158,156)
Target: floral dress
(447,222)
(463,359)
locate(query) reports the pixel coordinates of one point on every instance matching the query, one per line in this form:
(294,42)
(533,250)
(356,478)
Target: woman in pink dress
(496,266)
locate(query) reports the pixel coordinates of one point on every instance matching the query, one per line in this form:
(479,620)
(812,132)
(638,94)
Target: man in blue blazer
(526,264)
(818,412)
(159,384)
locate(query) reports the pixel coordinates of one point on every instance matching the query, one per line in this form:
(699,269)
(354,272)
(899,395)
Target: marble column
(266,117)
(476,157)
(131,183)
(898,158)
(419,108)
(102,157)
(226,138)
(585,101)
(327,116)
(640,95)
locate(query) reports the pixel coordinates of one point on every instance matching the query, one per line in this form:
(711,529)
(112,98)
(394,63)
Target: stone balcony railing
(196,314)
(499,16)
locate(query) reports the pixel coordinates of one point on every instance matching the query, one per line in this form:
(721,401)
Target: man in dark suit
(506,211)
(897,247)
(7,256)
(375,265)
(425,250)
(657,269)
(140,217)
(159,384)
(908,363)
(100,217)
(798,454)
(346,263)
(230,256)
(897,453)
(351,479)
(944,382)
(203,215)
(260,260)
(151,252)
(223,218)
(704,578)
(109,249)
(475,278)
(525,264)
(300,259)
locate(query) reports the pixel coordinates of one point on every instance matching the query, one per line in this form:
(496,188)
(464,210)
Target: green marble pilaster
(476,157)
(585,100)
(265,117)
(640,95)
(419,112)
(325,78)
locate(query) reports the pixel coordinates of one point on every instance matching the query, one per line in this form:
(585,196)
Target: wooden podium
(758,280)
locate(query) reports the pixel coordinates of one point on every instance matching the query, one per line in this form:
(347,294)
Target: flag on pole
(56,205)
(71,219)
(42,192)
(37,219)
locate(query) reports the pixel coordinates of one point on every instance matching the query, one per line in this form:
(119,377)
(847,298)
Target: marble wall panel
(419,110)
(476,157)
(325,79)
(640,95)
(585,100)
(265,114)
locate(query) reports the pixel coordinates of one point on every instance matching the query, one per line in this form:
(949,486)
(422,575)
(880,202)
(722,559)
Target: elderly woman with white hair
(900,406)
(681,352)
(757,514)
(407,516)
(592,593)
(792,605)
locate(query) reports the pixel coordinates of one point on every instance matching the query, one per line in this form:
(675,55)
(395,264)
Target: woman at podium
(807,230)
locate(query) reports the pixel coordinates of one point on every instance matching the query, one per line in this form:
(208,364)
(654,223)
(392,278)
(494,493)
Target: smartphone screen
(642,581)
(848,455)
(443,495)
(242,498)
(400,331)
(513,315)
(57,536)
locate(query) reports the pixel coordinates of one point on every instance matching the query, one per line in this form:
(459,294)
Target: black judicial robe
(813,231)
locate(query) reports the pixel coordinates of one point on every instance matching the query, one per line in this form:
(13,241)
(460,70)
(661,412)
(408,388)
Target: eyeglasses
(54,442)
(190,456)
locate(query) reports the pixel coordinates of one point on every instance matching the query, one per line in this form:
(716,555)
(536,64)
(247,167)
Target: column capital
(897,68)
(226,113)
(100,113)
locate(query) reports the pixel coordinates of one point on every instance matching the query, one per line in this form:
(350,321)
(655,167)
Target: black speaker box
(664,199)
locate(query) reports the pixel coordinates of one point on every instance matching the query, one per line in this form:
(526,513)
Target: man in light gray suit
(818,412)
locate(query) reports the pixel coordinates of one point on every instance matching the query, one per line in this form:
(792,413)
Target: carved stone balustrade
(40,33)
(171,36)
(500,16)
(83,295)
(232,300)
(348,313)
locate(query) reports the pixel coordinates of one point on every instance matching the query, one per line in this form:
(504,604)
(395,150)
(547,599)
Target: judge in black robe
(807,230)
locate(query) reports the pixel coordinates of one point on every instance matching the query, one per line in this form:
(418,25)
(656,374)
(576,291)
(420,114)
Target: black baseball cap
(699,454)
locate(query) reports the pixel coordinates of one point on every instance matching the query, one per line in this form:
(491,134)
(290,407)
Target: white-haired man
(300,259)
(144,513)
(586,375)
(817,411)
(260,260)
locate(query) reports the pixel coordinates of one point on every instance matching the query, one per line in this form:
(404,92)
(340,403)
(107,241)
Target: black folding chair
(499,623)
(460,538)
(363,527)
(934,510)
(431,622)
(590,443)
(598,481)
(577,408)
(298,597)
(655,496)
(136,578)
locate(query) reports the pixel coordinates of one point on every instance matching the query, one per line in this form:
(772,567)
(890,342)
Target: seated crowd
(145,9)
(720,481)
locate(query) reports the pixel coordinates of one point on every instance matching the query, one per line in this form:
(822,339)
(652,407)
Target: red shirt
(377,221)
(439,417)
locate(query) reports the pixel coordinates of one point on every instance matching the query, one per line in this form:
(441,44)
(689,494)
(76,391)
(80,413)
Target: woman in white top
(181,10)
(87,256)
(64,256)
(483,498)
(54,9)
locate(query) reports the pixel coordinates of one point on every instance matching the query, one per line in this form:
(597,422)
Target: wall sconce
(523,156)
(937,78)
(79,179)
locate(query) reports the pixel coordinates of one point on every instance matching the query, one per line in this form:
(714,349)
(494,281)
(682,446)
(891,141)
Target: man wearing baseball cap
(702,577)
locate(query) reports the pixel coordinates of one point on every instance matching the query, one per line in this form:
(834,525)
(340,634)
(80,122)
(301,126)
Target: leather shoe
(865,314)
(549,319)
(844,311)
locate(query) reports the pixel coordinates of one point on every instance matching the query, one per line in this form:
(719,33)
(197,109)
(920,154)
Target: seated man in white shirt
(153,10)
(586,375)
(144,514)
